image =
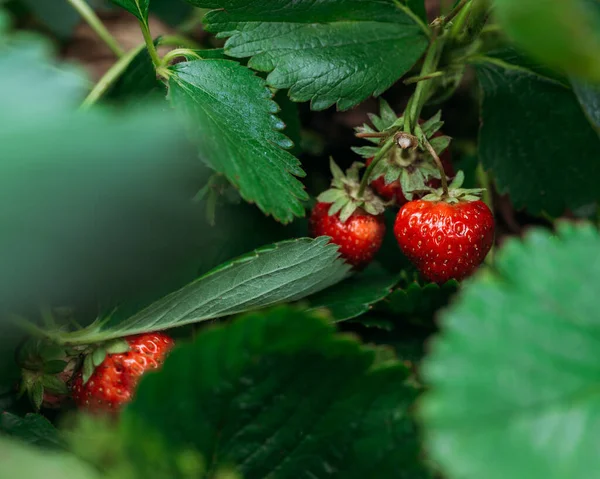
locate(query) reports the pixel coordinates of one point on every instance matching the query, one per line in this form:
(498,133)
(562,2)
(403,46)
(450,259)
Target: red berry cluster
(443,239)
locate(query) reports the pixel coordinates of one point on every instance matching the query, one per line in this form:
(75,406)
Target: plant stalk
(380,154)
(110,77)
(96,24)
(439,165)
(150,45)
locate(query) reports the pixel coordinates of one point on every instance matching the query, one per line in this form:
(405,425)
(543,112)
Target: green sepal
(54,384)
(36,394)
(338,205)
(432,126)
(392,174)
(439,144)
(386,117)
(50,351)
(331,196)
(365,151)
(54,367)
(456,194)
(87,369)
(98,356)
(118,346)
(336,171)
(347,211)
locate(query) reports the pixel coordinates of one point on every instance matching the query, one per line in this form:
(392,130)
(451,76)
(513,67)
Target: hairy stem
(439,165)
(380,154)
(150,44)
(110,77)
(96,24)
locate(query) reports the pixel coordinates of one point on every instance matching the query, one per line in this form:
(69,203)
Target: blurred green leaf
(513,374)
(23,461)
(32,428)
(278,394)
(335,51)
(418,8)
(232,117)
(564,34)
(285,271)
(356,295)
(536,140)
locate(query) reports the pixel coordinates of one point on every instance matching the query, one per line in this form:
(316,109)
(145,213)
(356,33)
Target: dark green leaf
(356,295)
(285,271)
(23,461)
(54,367)
(290,116)
(280,395)
(589,96)
(561,33)
(33,429)
(139,8)
(137,79)
(418,8)
(536,140)
(334,51)
(417,303)
(513,374)
(233,119)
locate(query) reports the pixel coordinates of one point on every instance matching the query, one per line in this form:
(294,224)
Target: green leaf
(333,51)
(33,429)
(417,303)
(21,460)
(356,295)
(561,33)
(278,394)
(54,366)
(589,97)
(536,140)
(513,374)
(285,271)
(139,8)
(291,118)
(232,117)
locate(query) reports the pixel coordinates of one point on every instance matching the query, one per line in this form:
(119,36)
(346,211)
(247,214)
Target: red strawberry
(114,382)
(445,241)
(359,237)
(393,190)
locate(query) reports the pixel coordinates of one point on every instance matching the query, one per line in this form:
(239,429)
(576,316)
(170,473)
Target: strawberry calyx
(94,355)
(45,369)
(409,160)
(455,194)
(344,193)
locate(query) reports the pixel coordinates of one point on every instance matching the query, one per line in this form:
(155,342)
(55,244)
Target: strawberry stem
(380,154)
(439,165)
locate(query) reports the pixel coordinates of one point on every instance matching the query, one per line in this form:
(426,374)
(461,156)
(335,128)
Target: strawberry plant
(287,239)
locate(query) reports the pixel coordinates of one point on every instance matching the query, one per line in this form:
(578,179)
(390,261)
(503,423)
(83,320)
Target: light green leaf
(332,51)
(279,394)
(285,271)
(139,8)
(232,117)
(561,33)
(513,375)
(536,140)
(20,460)
(32,428)
(356,295)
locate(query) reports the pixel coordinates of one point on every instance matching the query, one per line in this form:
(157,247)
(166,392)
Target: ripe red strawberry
(393,190)
(114,382)
(445,240)
(359,237)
